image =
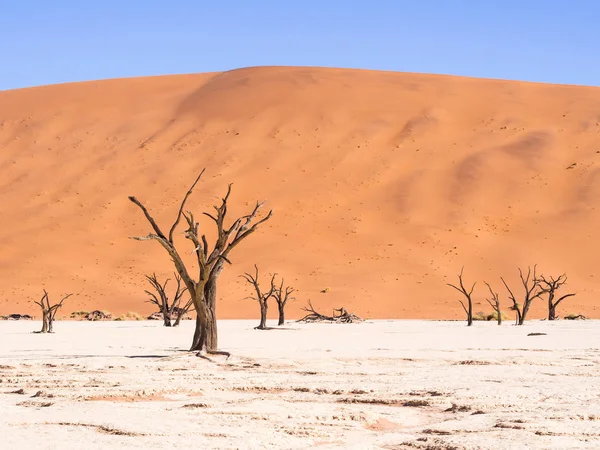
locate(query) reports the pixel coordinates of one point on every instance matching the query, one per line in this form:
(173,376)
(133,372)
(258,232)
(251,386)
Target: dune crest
(383,184)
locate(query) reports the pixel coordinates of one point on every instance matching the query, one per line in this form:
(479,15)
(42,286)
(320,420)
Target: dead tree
(261,297)
(49,312)
(339,315)
(495,303)
(282,295)
(203,288)
(161,299)
(467,293)
(532,289)
(550,286)
(180,312)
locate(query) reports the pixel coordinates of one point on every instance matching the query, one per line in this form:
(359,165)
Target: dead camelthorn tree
(282,295)
(340,315)
(49,311)
(467,293)
(533,290)
(262,297)
(168,309)
(550,286)
(495,303)
(210,260)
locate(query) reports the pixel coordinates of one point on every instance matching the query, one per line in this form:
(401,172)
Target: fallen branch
(339,316)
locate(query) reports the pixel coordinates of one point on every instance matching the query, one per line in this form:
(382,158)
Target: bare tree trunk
(499,317)
(281,315)
(210,332)
(470,314)
(206,333)
(50,322)
(210,294)
(551,311)
(167,319)
(523,315)
(263,316)
(196,345)
(178,320)
(44,322)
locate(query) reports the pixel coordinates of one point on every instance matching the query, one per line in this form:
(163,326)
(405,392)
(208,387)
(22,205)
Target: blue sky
(56,41)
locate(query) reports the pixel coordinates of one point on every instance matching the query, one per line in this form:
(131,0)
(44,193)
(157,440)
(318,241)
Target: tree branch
(155,227)
(188,193)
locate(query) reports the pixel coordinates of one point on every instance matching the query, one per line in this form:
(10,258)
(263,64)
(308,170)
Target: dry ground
(374,385)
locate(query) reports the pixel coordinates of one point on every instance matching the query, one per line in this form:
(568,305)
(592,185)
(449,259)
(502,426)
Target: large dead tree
(282,295)
(467,293)
(550,286)
(494,303)
(262,297)
(533,290)
(210,261)
(168,309)
(49,311)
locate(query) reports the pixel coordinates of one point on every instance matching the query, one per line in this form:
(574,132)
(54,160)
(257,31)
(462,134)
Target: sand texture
(373,385)
(383,184)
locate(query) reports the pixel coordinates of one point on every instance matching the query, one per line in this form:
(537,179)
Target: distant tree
(168,309)
(203,288)
(533,290)
(49,312)
(495,303)
(550,286)
(262,297)
(467,293)
(282,295)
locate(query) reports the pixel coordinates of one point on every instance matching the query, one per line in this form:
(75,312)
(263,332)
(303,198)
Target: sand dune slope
(383,185)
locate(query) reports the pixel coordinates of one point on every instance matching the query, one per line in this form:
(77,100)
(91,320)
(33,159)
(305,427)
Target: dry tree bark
(494,303)
(339,315)
(261,297)
(161,299)
(469,308)
(49,312)
(282,295)
(532,289)
(203,288)
(550,286)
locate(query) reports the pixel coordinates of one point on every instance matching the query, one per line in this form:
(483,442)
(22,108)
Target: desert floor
(378,384)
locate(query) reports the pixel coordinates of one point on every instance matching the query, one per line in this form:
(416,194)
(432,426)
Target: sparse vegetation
(168,309)
(550,286)
(262,297)
(467,293)
(533,290)
(98,315)
(575,317)
(282,295)
(49,311)
(494,302)
(131,315)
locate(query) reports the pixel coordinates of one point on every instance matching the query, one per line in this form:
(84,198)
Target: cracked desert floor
(379,384)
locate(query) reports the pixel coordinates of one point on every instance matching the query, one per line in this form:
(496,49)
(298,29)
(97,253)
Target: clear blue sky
(55,41)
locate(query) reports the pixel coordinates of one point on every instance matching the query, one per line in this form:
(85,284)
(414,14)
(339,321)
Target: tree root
(213,352)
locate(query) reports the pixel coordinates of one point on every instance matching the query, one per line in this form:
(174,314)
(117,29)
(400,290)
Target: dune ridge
(383,185)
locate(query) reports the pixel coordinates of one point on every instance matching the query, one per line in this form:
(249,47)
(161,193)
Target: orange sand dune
(383,186)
